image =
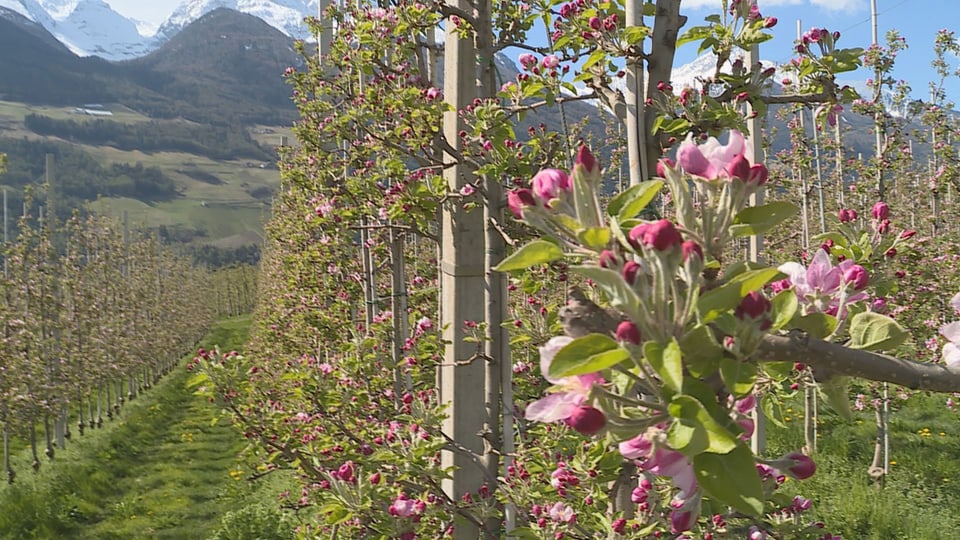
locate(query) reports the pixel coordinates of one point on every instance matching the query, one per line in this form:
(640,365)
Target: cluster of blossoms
(653,272)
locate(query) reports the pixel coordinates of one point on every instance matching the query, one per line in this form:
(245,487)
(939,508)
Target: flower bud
(548,184)
(628,332)
(662,165)
(754,306)
(519,199)
(586,160)
(800,466)
(856,276)
(630,270)
(586,420)
(690,248)
(660,235)
(608,259)
(880,211)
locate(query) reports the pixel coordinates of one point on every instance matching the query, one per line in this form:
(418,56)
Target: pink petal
(693,161)
(951,332)
(951,355)
(548,351)
(554,407)
(955,302)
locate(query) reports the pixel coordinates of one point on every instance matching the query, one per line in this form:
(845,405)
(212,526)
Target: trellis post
(461,375)
(758,440)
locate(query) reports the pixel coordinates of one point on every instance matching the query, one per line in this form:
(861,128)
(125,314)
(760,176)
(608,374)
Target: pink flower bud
(548,184)
(847,215)
(660,235)
(586,160)
(630,270)
(754,306)
(519,199)
(770,22)
(800,466)
(595,23)
(550,61)
(663,165)
(690,248)
(346,471)
(586,420)
(628,332)
(608,259)
(880,211)
(908,234)
(856,276)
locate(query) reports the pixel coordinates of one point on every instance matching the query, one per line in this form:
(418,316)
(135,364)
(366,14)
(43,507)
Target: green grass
(163,470)
(918,498)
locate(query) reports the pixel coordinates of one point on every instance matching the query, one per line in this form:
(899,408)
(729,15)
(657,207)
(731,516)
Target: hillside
(225,68)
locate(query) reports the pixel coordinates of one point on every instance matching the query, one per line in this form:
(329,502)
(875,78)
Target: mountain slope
(220,60)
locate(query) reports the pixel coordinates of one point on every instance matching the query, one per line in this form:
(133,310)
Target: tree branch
(836,358)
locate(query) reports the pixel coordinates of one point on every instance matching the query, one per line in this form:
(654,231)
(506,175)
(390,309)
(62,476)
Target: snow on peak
(29,9)
(59,9)
(284,15)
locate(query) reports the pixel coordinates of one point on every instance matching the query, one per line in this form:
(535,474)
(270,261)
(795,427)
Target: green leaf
(536,252)
(635,34)
(620,294)
(818,325)
(772,409)
(739,377)
(695,33)
(666,362)
(586,355)
(784,308)
(731,479)
(596,238)
(837,395)
(875,332)
(727,296)
(631,202)
(701,352)
(694,430)
(760,219)
(594,57)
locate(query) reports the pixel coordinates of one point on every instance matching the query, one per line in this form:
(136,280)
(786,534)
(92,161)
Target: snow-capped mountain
(284,15)
(86,27)
(92,27)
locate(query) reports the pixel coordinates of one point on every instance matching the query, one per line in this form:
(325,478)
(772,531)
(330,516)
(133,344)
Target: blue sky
(917,20)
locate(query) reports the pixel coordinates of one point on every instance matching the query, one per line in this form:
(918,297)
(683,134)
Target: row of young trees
(366,342)
(92,316)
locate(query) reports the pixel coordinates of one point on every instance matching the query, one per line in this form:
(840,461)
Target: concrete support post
(758,441)
(461,376)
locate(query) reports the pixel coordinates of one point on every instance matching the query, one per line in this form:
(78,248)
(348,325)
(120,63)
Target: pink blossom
(550,61)
(561,513)
(820,286)
(527,60)
(712,160)
(570,392)
(661,460)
